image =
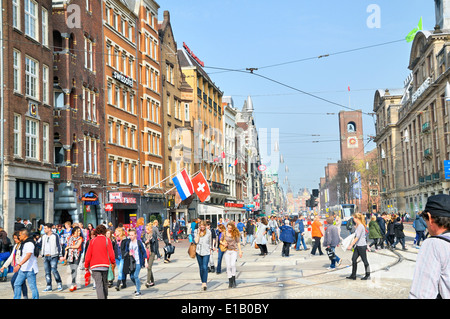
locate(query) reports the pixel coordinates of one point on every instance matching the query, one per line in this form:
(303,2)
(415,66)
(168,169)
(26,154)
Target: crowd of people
(106,254)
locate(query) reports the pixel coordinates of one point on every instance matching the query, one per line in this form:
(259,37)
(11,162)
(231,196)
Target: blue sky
(238,34)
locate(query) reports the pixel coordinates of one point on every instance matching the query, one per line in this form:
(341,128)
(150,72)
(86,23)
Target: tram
(345,211)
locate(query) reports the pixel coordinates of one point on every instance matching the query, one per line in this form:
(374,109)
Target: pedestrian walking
(360,246)
(241,227)
(202,237)
(167,239)
(12,261)
(390,231)
(175,228)
(119,238)
(420,226)
(5,253)
(220,251)
(316,234)
(211,267)
(301,233)
(27,267)
(67,231)
(260,236)
(140,228)
(375,233)
(331,240)
(381,220)
(399,234)
(151,246)
(50,252)
(287,236)
(134,255)
(73,254)
(99,256)
(431,279)
(232,242)
(250,230)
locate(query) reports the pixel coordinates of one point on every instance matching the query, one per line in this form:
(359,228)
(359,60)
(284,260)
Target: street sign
(56,175)
(447,169)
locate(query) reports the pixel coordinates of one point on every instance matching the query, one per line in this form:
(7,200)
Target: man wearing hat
(432,273)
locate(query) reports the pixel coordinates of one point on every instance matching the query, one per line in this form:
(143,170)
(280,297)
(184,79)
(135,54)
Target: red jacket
(97,255)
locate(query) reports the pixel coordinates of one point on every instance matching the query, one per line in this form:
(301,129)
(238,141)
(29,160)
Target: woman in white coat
(261,239)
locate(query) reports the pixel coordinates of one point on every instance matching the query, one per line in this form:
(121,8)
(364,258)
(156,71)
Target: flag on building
(410,37)
(223,154)
(183,184)
(201,187)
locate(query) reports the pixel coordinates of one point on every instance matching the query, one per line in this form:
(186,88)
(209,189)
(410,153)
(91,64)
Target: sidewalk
(261,277)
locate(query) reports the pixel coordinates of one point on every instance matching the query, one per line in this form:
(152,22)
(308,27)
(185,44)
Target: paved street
(298,276)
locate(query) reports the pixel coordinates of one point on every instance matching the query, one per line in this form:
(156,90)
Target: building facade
(27,107)
(79,115)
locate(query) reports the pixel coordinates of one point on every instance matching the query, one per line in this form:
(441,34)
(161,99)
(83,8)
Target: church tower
(351,135)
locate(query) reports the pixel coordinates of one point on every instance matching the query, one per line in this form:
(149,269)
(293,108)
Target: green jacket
(374,230)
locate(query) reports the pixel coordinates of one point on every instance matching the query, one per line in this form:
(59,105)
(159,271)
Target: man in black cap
(432,273)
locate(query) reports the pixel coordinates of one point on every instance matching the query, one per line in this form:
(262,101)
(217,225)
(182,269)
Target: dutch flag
(183,184)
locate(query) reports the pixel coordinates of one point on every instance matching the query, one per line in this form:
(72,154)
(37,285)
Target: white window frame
(17,143)
(17,74)
(45,142)
(16,14)
(44,14)
(31,138)
(31,78)
(31,19)
(45,84)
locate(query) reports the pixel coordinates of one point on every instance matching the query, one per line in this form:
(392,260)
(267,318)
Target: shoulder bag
(110,272)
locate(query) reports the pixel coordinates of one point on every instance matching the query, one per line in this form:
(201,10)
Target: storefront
(235,211)
(211,212)
(124,207)
(91,209)
(30,199)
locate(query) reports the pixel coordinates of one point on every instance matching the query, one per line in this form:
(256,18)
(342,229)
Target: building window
(186,111)
(45,142)
(88,55)
(84,154)
(16,13)
(16,71)
(44,27)
(94,108)
(95,157)
(31,77)
(109,93)
(45,84)
(110,137)
(31,138)
(17,135)
(111,171)
(31,12)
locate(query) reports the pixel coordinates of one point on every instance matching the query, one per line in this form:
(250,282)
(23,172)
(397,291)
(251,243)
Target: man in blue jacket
(420,226)
(301,231)
(287,236)
(382,223)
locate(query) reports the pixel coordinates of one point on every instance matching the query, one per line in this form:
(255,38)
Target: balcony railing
(426,127)
(427,153)
(219,188)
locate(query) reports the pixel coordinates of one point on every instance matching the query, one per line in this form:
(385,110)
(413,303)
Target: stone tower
(442,8)
(351,135)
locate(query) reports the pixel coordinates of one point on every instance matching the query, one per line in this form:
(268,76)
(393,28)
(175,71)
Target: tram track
(275,287)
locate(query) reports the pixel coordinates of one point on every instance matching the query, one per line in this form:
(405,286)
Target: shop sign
(236,205)
(56,175)
(117,197)
(109,207)
(123,78)
(90,199)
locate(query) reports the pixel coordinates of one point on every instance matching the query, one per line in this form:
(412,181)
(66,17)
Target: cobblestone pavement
(298,276)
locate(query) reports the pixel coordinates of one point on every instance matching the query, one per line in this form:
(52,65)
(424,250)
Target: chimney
(166,16)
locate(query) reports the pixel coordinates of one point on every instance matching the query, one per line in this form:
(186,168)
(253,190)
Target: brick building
(28,112)
(79,119)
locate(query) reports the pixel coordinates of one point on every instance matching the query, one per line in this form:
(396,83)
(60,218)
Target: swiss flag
(201,187)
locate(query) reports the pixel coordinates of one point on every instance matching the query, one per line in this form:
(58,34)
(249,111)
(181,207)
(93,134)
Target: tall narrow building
(79,114)
(27,108)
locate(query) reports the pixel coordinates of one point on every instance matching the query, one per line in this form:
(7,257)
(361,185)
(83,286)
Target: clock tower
(351,135)
(442,8)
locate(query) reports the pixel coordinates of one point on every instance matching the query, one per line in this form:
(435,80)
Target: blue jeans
(300,239)
(135,277)
(219,261)
(250,238)
(119,265)
(30,276)
(50,266)
(335,259)
(24,285)
(203,262)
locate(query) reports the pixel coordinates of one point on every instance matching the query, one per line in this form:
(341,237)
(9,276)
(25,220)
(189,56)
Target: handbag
(110,272)
(132,267)
(170,249)
(192,250)
(331,254)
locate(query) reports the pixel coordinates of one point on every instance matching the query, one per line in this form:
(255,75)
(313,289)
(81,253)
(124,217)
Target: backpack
(36,247)
(297,228)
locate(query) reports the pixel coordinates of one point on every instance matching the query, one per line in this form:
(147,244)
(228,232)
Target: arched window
(351,127)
